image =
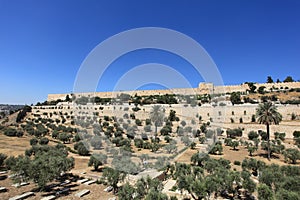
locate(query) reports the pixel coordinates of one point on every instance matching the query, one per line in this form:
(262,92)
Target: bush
(22,114)
(33,141)
(138,143)
(233,133)
(44,141)
(183,123)
(166,130)
(280,136)
(148,122)
(11,132)
(252,135)
(236,162)
(296,134)
(291,155)
(263,135)
(138,122)
(81,148)
(64,137)
(135,109)
(54,134)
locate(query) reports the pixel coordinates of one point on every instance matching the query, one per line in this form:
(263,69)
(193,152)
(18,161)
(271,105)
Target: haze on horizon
(43,44)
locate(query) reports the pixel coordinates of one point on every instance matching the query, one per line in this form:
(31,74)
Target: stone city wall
(204,88)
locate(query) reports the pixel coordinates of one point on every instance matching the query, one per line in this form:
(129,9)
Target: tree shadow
(100,169)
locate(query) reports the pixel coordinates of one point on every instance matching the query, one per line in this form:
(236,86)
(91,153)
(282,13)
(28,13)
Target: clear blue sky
(43,43)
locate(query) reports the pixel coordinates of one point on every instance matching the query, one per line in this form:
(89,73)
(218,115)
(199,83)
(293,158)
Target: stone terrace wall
(219,114)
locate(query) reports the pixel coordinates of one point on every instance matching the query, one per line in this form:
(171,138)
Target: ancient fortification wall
(203,88)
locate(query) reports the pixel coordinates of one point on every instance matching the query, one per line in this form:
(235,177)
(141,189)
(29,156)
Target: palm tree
(267,114)
(157,116)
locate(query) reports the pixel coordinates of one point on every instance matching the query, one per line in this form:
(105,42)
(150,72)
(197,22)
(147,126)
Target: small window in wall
(207,114)
(220,113)
(245,112)
(232,113)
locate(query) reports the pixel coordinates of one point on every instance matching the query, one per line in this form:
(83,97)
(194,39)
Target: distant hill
(6,109)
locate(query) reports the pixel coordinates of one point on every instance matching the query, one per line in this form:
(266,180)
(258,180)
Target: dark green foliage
(135,109)
(44,141)
(234,144)
(263,135)
(113,177)
(233,133)
(138,122)
(126,192)
(64,137)
(172,115)
(251,86)
(235,98)
(12,132)
(2,158)
(251,149)
(227,141)
(33,141)
(296,134)
(236,162)
(46,165)
(97,160)
(166,130)
(148,121)
(291,155)
(252,135)
(138,143)
(193,145)
(261,90)
(22,113)
(269,79)
(82,149)
(264,192)
(253,165)
(279,136)
(288,79)
(274,147)
(216,149)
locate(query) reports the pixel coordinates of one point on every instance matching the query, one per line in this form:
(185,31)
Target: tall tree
(288,79)
(269,79)
(267,114)
(157,116)
(96,160)
(113,177)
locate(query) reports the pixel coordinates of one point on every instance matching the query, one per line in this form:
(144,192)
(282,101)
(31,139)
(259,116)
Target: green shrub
(236,162)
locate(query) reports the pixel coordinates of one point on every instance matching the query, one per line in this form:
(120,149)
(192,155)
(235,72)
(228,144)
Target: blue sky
(43,43)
